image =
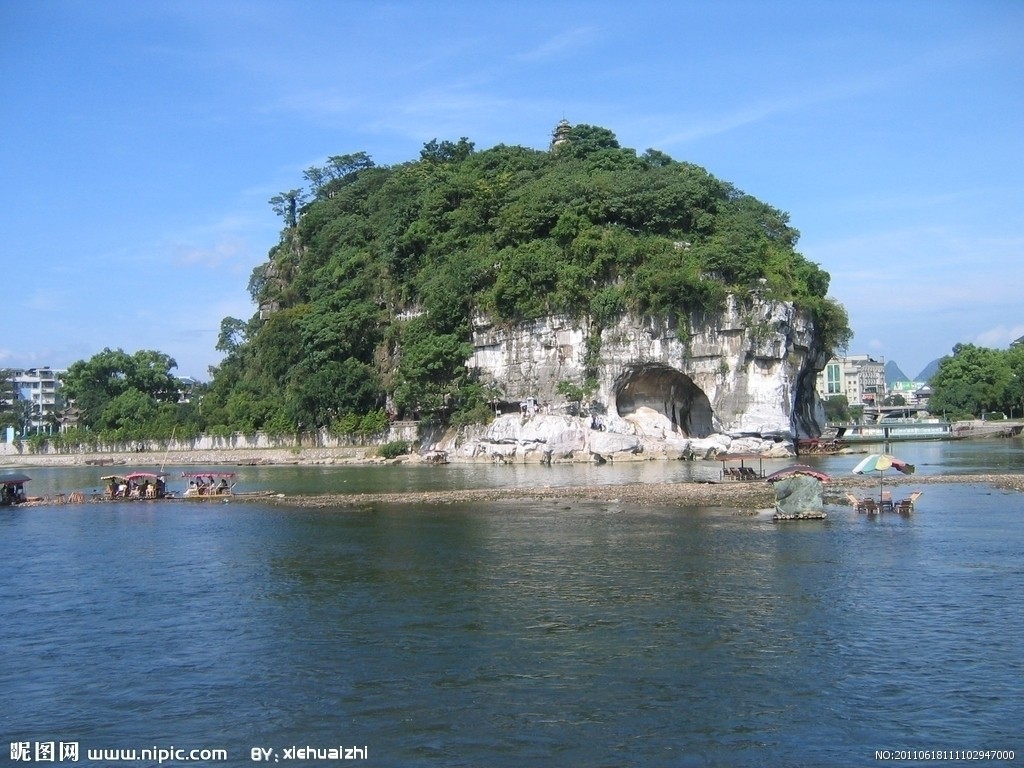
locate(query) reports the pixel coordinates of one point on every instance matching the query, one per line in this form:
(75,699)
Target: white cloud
(228,251)
(561,43)
(999,337)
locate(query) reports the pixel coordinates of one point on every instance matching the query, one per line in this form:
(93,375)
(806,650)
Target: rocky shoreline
(742,495)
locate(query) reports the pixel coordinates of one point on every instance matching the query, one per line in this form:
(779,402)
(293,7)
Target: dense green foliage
(371,290)
(976,380)
(368,298)
(127,397)
(366,303)
(839,411)
(13,412)
(394,449)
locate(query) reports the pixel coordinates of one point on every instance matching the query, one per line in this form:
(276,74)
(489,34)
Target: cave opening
(668,392)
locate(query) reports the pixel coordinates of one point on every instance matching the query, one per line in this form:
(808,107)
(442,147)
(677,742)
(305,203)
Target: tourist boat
(136,485)
(209,485)
(964,430)
(895,430)
(822,446)
(142,485)
(12,488)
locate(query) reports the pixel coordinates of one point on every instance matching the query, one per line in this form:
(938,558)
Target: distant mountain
(929,370)
(894,374)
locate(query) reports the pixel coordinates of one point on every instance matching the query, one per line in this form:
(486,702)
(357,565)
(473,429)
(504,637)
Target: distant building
(35,395)
(39,390)
(860,378)
(186,388)
(913,392)
(922,396)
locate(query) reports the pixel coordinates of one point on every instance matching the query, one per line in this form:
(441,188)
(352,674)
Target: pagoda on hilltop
(561,134)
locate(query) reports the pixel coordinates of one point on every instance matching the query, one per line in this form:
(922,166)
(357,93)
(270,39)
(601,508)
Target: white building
(860,378)
(916,393)
(39,390)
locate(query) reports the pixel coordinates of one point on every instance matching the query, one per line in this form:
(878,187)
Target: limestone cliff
(741,380)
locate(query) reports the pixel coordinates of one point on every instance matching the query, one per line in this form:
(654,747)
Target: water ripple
(511,634)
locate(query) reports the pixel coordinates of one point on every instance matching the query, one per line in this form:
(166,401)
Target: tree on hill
(369,296)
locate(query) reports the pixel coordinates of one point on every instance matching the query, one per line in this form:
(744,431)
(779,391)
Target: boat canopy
(194,475)
(14,478)
(742,458)
(798,469)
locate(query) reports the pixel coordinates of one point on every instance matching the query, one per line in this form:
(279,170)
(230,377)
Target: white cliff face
(729,384)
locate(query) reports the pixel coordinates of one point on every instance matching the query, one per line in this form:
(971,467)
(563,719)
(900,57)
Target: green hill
(893,373)
(367,302)
(929,370)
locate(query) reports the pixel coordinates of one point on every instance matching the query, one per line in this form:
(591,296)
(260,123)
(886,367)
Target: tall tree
(7,393)
(95,383)
(287,204)
(233,333)
(972,381)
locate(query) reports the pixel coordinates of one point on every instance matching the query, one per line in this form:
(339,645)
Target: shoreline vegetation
(721,493)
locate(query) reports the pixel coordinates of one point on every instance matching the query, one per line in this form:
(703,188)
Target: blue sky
(140,143)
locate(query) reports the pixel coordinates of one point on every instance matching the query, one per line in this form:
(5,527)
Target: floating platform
(783,516)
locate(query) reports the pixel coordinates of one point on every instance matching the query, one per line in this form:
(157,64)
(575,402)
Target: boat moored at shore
(895,430)
(918,429)
(12,488)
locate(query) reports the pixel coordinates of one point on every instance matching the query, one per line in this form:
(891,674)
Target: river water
(518,633)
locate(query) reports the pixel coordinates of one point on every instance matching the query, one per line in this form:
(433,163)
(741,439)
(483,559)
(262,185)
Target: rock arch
(667,391)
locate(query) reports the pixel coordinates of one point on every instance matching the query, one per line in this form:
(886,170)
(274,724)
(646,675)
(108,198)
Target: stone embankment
(208,457)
